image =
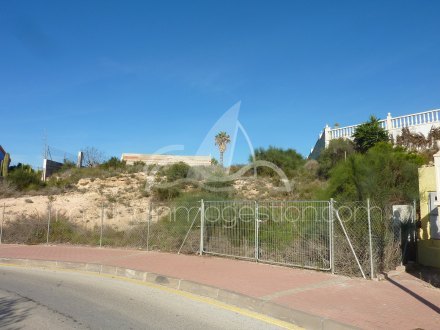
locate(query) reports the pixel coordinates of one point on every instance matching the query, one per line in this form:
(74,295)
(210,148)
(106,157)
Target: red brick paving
(363,303)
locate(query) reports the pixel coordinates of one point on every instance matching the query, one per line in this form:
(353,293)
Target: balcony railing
(421,118)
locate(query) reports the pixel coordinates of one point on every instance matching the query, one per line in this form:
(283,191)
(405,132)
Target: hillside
(126,197)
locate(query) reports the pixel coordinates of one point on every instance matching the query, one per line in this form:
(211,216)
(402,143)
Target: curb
(300,318)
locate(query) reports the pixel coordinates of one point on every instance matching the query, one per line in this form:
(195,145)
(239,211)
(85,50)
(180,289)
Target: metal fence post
(49,209)
(148,224)
(202,225)
(349,243)
(332,238)
(414,213)
(414,230)
(257,252)
(102,224)
(370,239)
(3,219)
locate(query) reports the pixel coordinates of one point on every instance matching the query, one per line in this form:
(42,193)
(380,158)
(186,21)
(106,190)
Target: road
(41,299)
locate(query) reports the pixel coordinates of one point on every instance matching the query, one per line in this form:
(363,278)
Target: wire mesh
(351,238)
(294,233)
(24,229)
(68,227)
(229,228)
(282,232)
(352,227)
(174,227)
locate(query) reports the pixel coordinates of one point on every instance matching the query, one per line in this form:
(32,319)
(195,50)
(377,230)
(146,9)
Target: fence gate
(280,232)
(294,233)
(229,229)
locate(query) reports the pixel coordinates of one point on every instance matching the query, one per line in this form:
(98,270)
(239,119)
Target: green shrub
(177,171)
(337,150)
(288,160)
(384,173)
(164,194)
(173,173)
(67,165)
(137,167)
(113,163)
(23,177)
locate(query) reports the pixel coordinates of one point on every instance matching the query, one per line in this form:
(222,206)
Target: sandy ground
(119,198)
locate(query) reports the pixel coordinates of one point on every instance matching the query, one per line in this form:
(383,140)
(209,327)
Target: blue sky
(135,76)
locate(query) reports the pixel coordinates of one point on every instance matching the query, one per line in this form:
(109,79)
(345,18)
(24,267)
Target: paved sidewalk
(403,302)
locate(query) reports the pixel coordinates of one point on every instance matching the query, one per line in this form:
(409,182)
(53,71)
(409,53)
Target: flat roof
(166,159)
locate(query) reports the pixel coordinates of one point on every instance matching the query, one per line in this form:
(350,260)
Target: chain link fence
(364,239)
(350,238)
(230,228)
(280,232)
(162,227)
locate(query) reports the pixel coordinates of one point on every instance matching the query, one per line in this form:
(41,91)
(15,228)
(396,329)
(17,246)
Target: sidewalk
(403,302)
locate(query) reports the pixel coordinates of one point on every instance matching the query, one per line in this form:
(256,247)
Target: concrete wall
(49,167)
(166,159)
(319,147)
(428,248)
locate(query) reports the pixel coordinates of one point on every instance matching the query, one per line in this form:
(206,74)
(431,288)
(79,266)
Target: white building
(421,122)
(156,159)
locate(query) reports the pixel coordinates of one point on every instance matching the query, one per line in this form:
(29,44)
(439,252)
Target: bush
(23,177)
(138,166)
(6,188)
(337,150)
(177,171)
(67,165)
(173,173)
(384,173)
(163,194)
(288,160)
(369,134)
(113,163)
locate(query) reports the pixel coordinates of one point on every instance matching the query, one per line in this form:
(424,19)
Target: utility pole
(45,144)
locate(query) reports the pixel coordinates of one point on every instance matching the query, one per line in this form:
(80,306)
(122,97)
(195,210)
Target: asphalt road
(51,299)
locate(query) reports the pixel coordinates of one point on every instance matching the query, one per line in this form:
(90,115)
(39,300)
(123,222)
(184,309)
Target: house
(158,159)
(420,122)
(2,153)
(429,232)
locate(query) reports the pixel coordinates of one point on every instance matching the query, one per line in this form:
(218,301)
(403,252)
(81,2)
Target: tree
(92,157)
(368,134)
(221,141)
(23,177)
(337,150)
(384,173)
(288,160)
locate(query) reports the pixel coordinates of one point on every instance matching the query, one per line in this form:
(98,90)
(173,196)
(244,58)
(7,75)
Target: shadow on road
(11,314)
(427,303)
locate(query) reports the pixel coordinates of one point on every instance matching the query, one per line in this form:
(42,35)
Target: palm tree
(221,141)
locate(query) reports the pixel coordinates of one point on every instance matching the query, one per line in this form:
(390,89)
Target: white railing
(422,123)
(421,118)
(342,132)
